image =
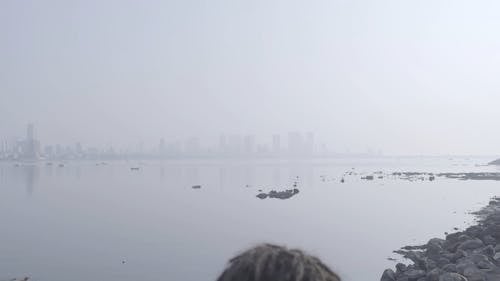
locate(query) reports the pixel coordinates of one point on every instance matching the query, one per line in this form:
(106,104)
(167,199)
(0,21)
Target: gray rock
(464,237)
(434,274)
(262,195)
(488,251)
(388,275)
(497,257)
(471,244)
(471,271)
(497,248)
(495,162)
(450,268)
(436,242)
(465,264)
(489,240)
(449,276)
(414,274)
(442,261)
(485,265)
(481,261)
(400,268)
(458,255)
(477,276)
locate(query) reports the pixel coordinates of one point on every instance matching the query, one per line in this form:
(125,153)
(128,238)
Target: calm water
(80,221)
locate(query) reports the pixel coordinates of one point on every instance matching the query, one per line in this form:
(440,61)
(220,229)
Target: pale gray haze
(406,77)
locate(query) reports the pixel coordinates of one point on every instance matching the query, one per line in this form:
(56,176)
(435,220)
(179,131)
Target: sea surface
(104,221)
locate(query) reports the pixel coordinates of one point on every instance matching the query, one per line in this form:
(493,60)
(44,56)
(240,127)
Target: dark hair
(275,263)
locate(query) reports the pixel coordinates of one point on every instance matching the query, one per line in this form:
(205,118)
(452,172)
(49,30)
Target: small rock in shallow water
(262,195)
(196,187)
(279,194)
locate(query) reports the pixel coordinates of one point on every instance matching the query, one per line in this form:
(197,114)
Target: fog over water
(150,140)
(80,221)
(405,77)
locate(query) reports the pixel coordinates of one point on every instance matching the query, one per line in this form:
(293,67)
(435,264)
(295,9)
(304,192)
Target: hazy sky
(406,77)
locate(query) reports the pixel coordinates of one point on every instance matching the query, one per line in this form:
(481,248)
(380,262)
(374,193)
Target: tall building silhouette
(31,149)
(276,148)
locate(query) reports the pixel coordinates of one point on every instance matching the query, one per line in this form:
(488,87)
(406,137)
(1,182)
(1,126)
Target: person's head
(275,263)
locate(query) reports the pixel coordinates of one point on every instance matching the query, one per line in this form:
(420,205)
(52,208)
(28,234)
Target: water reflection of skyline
(219,175)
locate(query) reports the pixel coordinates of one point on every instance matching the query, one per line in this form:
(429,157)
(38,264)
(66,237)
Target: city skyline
(293,144)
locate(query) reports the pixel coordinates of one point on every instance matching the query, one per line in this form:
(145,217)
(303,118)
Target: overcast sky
(407,77)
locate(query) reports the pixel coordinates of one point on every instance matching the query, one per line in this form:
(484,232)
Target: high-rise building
(309,143)
(161,146)
(295,144)
(234,145)
(31,149)
(276,148)
(30,132)
(222,144)
(249,144)
(192,146)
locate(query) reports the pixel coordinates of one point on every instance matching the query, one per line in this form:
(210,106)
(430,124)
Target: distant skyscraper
(79,149)
(276,144)
(192,146)
(31,149)
(234,145)
(309,143)
(222,144)
(295,144)
(30,132)
(249,144)
(161,146)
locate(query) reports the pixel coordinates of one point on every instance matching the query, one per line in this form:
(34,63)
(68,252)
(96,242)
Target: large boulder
(415,274)
(450,276)
(434,274)
(388,275)
(495,162)
(471,244)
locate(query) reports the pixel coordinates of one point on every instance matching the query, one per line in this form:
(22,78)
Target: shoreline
(469,255)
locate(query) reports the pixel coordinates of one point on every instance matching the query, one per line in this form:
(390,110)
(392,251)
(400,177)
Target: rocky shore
(470,255)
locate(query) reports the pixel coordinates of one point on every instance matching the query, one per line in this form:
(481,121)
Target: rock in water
(262,195)
(279,194)
(196,187)
(495,162)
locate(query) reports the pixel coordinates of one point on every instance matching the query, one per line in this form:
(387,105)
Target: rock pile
(470,255)
(286,194)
